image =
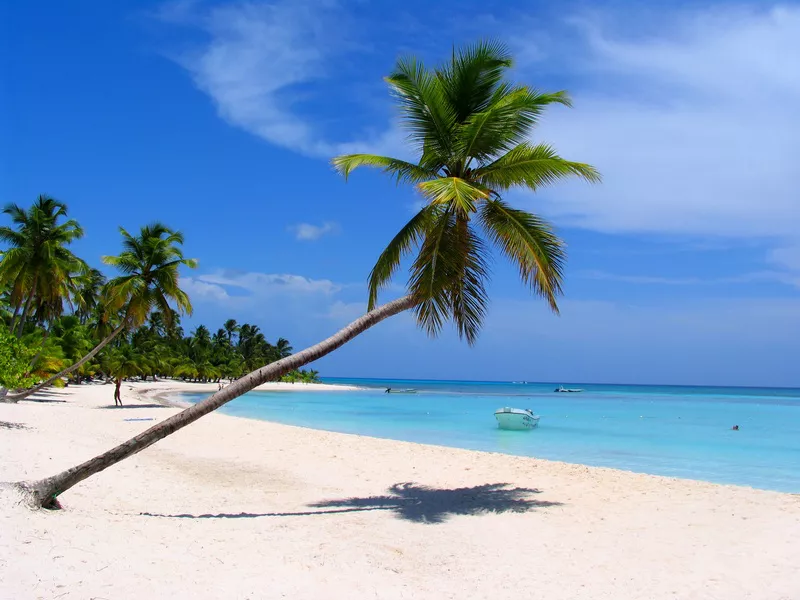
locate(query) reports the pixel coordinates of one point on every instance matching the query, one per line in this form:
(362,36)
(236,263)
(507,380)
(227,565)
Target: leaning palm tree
(149,263)
(472,130)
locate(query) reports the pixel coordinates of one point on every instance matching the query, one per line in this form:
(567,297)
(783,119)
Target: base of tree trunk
(33,494)
(6,399)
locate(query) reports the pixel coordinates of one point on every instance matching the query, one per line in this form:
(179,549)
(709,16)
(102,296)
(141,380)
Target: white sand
(230,508)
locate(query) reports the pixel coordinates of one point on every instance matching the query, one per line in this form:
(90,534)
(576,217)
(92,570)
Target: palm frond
(424,108)
(404,172)
(459,193)
(506,121)
(389,260)
(530,243)
(532,167)
(467,290)
(432,273)
(471,76)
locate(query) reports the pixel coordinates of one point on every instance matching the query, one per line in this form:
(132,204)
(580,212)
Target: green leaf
(405,172)
(453,191)
(389,260)
(531,244)
(532,167)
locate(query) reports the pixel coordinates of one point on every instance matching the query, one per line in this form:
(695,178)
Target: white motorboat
(518,419)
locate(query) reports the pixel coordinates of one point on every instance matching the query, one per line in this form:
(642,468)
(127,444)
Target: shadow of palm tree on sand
(417,503)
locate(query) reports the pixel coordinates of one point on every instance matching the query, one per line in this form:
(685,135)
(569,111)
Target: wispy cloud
(235,286)
(309,232)
(693,126)
(787,278)
(262,62)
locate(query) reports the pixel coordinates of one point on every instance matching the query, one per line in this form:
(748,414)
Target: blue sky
(219,119)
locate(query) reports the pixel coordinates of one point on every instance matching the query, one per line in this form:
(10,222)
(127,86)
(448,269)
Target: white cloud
(309,232)
(745,278)
(694,128)
(242,288)
(203,290)
(260,63)
(787,257)
(345,312)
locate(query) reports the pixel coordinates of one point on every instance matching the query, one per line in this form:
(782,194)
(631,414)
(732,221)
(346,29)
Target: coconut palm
(231,328)
(283,347)
(471,129)
(38,267)
(89,292)
(149,263)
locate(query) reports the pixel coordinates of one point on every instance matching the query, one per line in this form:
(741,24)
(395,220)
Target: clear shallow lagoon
(663,430)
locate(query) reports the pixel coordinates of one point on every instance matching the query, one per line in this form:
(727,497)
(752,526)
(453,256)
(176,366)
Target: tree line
(64,321)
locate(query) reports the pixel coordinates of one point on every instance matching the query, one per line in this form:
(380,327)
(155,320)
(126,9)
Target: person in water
(735,428)
(388,390)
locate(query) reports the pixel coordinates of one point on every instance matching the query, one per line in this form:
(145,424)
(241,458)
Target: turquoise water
(663,430)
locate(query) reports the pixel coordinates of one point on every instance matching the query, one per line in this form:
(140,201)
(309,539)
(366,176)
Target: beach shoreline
(167,390)
(230,507)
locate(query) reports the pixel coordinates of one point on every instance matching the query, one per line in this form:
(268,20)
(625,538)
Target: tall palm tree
(231,328)
(283,347)
(38,266)
(149,263)
(89,290)
(471,129)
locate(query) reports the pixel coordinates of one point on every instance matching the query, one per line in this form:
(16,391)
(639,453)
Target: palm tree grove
(66,324)
(471,128)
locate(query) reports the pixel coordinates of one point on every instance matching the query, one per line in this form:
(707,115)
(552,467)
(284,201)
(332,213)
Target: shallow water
(663,430)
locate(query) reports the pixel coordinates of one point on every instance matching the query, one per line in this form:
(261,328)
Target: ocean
(662,430)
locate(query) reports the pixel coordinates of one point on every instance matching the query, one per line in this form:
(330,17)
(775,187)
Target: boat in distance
(562,389)
(516,419)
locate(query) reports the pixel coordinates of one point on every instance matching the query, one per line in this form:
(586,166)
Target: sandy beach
(238,508)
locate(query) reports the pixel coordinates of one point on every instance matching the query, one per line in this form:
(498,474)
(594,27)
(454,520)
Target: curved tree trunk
(39,353)
(27,308)
(44,493)
(13,326)
(68,370)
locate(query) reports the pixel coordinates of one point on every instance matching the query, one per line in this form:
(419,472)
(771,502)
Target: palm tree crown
(471,129)
(150,264)
(38,267)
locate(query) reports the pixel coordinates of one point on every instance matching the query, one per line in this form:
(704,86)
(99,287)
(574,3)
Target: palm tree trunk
(44,493)
(68,370)
(27,308)
(17,307)
(39,353)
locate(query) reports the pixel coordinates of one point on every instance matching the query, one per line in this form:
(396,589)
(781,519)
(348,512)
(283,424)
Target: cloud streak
(262,62)
(237,287)
(694,127)
(310,232)
(746,278)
